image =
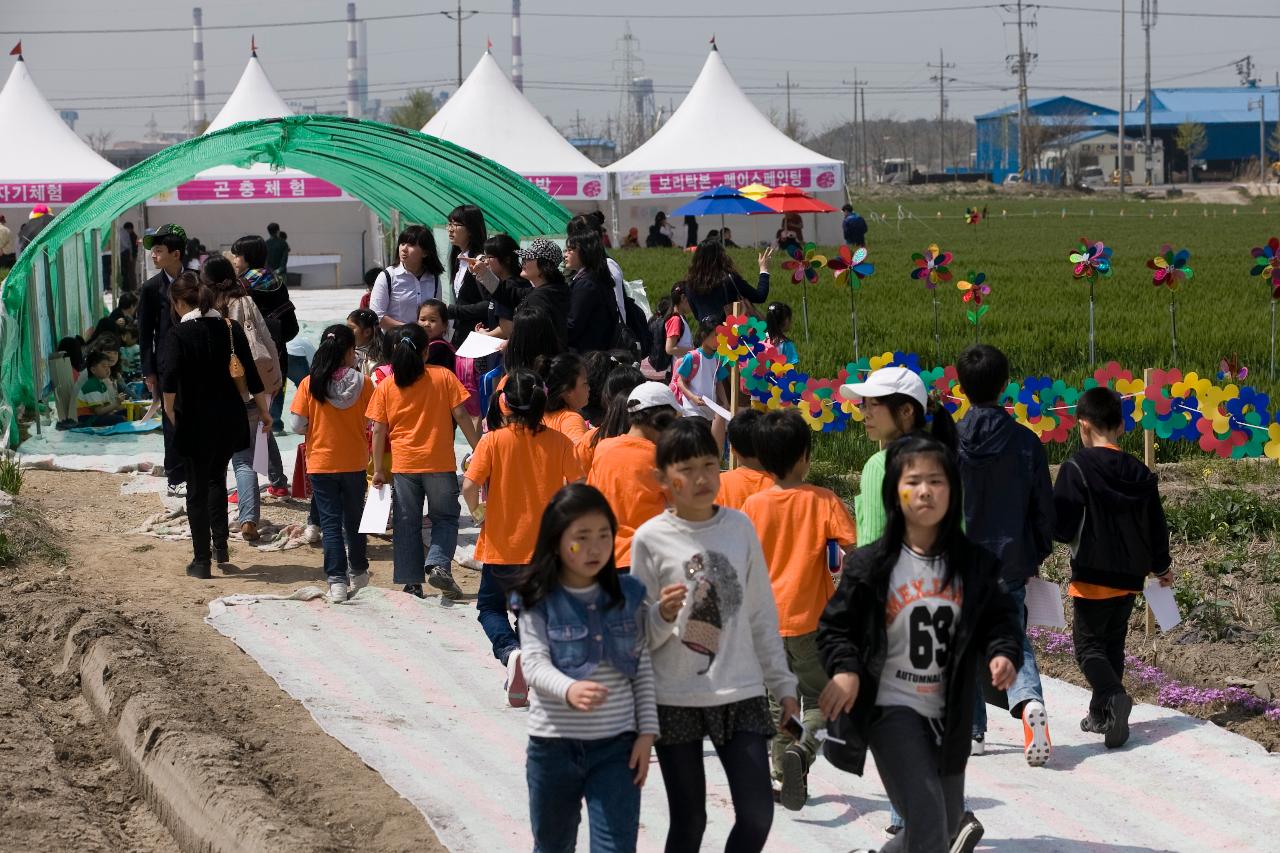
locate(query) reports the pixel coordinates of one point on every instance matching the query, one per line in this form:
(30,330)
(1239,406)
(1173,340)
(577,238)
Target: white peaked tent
(41,158)
(489,116)
(717,137)
(328,242)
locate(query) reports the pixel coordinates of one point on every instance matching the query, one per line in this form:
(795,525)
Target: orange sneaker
(1035,734)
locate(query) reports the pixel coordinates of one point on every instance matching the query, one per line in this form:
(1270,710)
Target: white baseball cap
(886,381)
(649,395)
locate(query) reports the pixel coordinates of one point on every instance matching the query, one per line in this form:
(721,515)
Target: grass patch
(1228,516)
(26,535)
(10,475)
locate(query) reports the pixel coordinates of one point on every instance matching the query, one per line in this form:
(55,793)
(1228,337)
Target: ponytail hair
(522,400)
(561,375)
(335,343)
(939,424)
(775,320)
(617,388)
(188,288)
(409,344)
(367,320)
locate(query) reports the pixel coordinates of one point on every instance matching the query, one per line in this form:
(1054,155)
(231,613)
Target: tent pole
(613,205)
(115,265)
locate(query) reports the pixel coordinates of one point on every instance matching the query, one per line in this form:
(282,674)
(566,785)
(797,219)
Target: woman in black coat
(204,404)
(593,310)
(714,282)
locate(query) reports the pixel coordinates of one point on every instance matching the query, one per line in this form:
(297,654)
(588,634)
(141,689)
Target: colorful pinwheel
(851,262)
(1231,370)
(1266,263)
(804,265)
(1091,260)
(975,288)
(972,216)
(1170,269)
(855,266)
(931,267)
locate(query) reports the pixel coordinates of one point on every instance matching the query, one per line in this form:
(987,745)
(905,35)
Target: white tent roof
(36,144)
(489,116)
(718,131)
(253,98)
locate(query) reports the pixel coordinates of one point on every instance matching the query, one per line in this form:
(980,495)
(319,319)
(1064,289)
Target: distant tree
(99,140)
(1191,141)
(418,108)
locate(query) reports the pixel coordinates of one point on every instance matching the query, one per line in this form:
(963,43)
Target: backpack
(632,331)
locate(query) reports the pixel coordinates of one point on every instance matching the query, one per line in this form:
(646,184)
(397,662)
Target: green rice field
(1038,312)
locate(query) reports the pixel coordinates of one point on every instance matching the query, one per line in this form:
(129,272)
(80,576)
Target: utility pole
(859,135)
(866,155)
(459,16)
(1019,68)
(1244,67)
(1149,12)
(942,79)
(1261,105)
(1120,168)
(790,124)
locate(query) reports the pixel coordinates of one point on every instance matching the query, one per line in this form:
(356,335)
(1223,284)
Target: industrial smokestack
(353,88)
(199,114)
(517,55)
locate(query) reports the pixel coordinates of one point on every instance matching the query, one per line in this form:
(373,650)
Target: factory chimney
(353,88)
(199,112)
(517,55)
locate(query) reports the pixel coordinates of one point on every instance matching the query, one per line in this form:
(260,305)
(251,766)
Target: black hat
(154,234)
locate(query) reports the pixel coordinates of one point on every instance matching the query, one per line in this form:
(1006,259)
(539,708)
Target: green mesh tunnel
(55,288)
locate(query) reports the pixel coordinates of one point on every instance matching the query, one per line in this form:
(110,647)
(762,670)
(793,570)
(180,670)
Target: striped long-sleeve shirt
(631,705)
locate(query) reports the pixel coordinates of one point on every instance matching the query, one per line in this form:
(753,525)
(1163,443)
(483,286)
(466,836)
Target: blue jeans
(439,491)
(496,582)
(561,771)
(247,498)
(1026,686)
(339,501)
(296,369)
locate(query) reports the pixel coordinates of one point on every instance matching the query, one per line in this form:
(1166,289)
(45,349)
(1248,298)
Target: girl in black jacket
(901,638)
(593,311)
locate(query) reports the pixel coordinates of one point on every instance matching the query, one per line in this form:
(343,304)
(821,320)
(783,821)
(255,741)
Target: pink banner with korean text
(812,178)
(571,186)
(50,192)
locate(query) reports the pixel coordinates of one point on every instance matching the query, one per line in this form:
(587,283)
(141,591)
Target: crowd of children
(641,600)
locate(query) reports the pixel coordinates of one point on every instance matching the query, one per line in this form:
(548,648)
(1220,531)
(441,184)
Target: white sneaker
(312,535)
(358,582)
(978,745)
(517,689)
(337,593)
(177,491)
(1035,734)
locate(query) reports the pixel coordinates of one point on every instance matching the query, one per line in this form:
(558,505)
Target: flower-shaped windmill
(975,288)
(972,216)
(804,266)
(1091,260)
(1169,269)
(931,268)
(855,266)
(1266,264)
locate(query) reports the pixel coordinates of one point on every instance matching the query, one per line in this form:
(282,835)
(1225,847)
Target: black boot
(221,555)
(200,569)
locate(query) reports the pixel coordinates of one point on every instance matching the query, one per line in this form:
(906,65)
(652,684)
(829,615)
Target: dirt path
(61,783)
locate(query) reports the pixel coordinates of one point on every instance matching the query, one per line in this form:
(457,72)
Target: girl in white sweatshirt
(713,633)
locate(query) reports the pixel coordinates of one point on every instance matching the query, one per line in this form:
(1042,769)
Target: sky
(119,80)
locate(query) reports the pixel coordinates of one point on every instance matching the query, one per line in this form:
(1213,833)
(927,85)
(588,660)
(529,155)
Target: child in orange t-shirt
(795,521)
(329,409)
(524,464)
(748,478)
(617,386)
(624,470)
(417,412)
(567,393)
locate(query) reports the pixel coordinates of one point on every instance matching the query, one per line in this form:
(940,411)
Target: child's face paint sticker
(905,496)
(574,548)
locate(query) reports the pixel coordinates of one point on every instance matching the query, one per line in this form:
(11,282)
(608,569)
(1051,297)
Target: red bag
(301,487)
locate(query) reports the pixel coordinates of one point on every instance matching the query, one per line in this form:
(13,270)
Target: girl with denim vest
(593,716)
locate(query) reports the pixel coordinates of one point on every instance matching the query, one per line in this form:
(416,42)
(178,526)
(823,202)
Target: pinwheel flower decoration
(804,265)
(1266,263)
(1170,269)
(972,216)
(1231,370)
(1091,260)
(853,264)
(974,287)
(931,267)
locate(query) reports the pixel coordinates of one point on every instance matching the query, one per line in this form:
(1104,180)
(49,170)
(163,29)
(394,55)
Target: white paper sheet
(478,346)
(1162,603)
(716,408)
(260,451)
(1044,604)
(377,510)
